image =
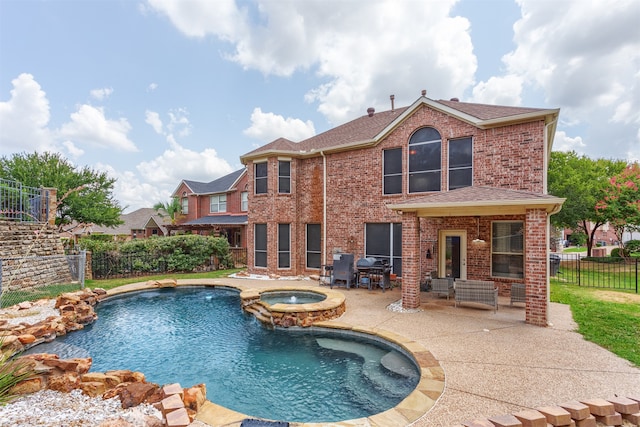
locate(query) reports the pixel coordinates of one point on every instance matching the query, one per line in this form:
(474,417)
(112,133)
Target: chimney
(370,111)
(392,97)
(424,92)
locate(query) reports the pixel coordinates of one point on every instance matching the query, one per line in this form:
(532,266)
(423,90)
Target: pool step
(375,372)
(260,313)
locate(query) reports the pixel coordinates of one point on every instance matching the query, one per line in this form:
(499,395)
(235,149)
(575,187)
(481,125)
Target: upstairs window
(218,203)
(392,171)
(284,177)
(244,201)
(260,178)
(184,205)
(425,149)
(460,163)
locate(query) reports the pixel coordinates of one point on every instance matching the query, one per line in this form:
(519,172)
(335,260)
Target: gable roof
(369,129)
(223,184)
(137,220)
(479,201)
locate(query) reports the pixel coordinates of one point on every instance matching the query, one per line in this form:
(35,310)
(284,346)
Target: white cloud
(71,148)
(24,118)
(563,142)
(506,90)
(180,163)
(363,51)
(152,87)
(153,119)
(584,57)
(269,126)
(101,94)
(89,126)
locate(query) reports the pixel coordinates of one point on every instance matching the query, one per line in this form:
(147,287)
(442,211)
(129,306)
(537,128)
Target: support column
(410,260)
(536,266)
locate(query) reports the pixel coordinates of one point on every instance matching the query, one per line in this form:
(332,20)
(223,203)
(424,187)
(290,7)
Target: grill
(373,271)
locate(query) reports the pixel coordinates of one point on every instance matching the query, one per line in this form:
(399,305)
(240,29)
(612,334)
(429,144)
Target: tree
(583,182)
(621,204)
(172,208)
(84,196)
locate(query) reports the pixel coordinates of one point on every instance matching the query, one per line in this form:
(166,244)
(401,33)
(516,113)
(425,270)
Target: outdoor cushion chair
(518,293)
(442,286)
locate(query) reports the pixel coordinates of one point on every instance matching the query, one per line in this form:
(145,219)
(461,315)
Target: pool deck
(493,363)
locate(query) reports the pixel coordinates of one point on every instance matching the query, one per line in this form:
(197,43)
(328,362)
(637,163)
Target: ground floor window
(260,245)
(314,241)
(507,249)
(284,245)
(384,241)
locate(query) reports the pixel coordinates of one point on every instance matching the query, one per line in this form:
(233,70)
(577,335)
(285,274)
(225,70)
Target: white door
(452,261)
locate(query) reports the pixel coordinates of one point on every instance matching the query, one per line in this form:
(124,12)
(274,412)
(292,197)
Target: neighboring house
(139,224)
(449,187)
(217,208)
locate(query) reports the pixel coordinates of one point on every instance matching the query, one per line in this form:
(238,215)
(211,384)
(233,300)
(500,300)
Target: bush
(616,253)
(633,246)
(12,372)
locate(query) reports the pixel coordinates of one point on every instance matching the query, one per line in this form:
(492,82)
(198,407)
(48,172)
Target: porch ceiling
(479,201)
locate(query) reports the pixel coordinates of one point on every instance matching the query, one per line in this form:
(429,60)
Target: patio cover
(219,220)
(479,201)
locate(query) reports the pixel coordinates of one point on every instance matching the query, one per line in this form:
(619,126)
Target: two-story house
(217,208)
(449,187)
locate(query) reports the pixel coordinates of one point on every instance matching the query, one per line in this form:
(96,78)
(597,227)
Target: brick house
(439,187)
(217,208)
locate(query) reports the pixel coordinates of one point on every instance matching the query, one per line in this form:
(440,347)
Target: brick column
(410,260)
(536,266)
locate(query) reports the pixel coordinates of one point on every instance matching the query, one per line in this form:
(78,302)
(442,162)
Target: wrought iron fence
(21,203)
(32,278)
(599,272)
(239,256)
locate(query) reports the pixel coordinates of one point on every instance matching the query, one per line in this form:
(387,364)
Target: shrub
(616,253)
(12,372)
(633,246)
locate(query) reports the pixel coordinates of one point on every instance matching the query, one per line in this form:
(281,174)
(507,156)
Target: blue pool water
(200,335)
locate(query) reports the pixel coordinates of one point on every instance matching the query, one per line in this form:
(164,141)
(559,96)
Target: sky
(153,92)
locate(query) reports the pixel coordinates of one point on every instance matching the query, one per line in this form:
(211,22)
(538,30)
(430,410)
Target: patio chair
(518,293)
(344,273)
(442,286)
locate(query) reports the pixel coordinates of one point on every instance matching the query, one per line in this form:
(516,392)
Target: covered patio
(480,233)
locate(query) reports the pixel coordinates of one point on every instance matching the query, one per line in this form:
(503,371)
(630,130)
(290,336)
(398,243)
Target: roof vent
(424,92)
(454,99)
(392,98)
(370,111)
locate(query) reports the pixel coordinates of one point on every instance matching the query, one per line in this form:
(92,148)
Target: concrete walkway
(494,363)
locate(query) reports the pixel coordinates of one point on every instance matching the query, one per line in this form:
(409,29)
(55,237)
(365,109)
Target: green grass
(614,325)
(575,249)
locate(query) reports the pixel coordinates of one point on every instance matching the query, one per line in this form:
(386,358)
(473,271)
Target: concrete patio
(494,363)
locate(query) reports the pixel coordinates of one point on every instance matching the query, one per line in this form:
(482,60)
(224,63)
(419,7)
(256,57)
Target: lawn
(608,318)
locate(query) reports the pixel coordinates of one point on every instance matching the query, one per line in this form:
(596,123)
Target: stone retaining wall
(32,255)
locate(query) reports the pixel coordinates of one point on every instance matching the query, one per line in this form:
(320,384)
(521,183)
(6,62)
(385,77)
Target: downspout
(324,208)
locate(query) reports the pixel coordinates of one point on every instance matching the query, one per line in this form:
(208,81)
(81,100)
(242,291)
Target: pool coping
(416,405)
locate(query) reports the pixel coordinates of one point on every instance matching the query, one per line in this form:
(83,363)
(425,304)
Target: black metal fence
(21,203)
(598,272)
(239,256)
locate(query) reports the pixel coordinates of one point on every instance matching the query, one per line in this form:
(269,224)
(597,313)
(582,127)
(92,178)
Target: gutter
(324,207)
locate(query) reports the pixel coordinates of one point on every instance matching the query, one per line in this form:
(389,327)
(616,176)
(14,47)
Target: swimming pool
(192,335)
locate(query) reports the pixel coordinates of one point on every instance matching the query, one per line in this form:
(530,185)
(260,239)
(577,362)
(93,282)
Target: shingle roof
(220,185)
(480,200)
(218,220)
(136,220)
(368,129)
(489,112)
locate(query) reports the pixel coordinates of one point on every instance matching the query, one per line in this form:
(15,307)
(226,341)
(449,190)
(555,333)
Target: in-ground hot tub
(291,297)
(286,307)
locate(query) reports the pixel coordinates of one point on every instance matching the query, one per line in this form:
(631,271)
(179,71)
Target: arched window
(425,149)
